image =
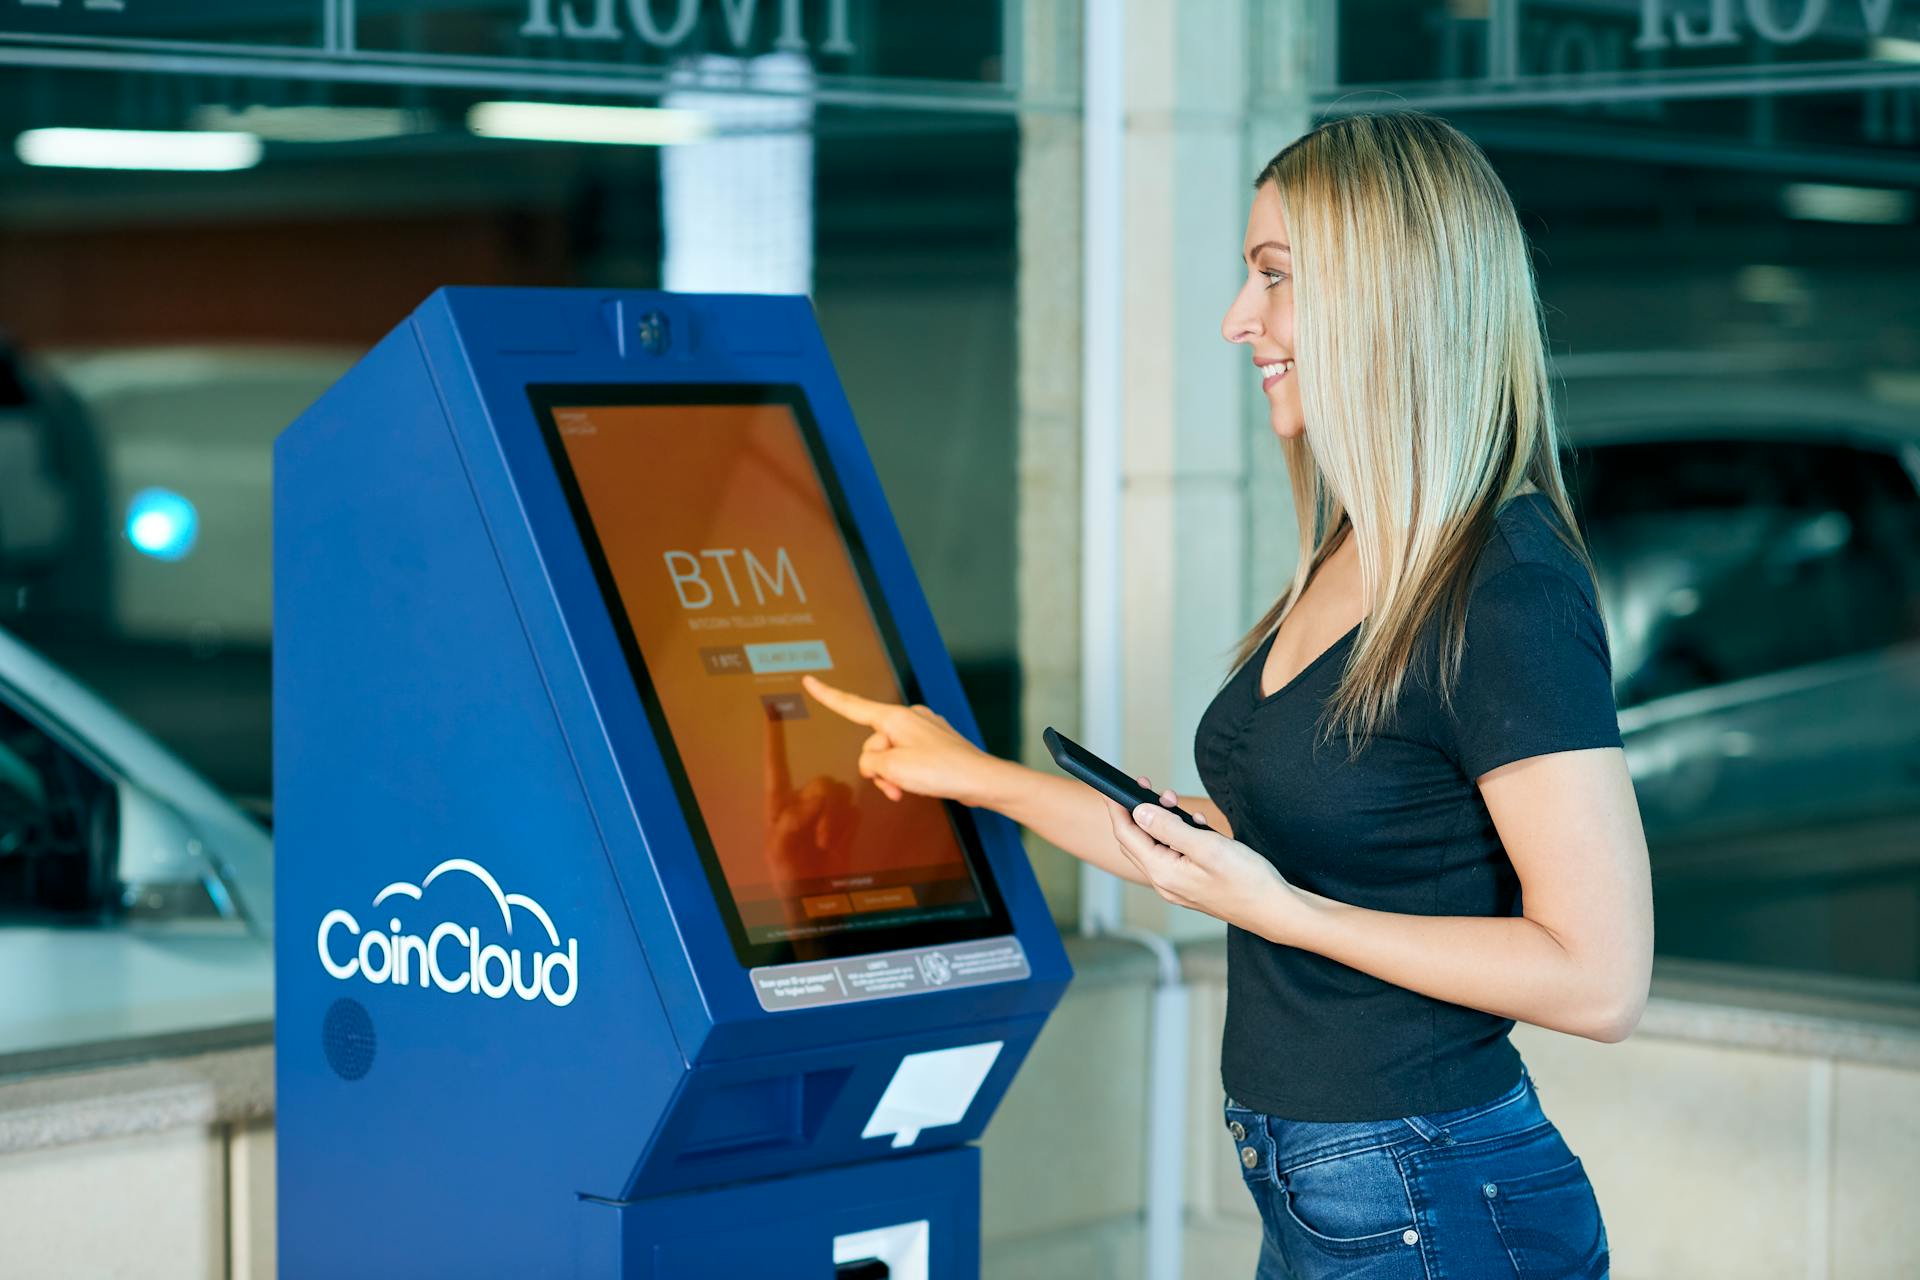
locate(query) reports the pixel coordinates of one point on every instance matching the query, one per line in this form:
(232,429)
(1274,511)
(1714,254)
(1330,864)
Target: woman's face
(1262,312)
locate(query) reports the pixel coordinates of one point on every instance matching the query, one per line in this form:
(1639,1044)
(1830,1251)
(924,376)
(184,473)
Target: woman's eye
(1274,277)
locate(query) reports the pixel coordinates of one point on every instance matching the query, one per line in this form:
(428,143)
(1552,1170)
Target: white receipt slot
(930,1089)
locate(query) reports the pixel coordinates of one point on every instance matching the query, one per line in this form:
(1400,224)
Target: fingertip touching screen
(731,566)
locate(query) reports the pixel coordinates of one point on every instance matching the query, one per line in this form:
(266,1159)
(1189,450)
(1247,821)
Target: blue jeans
(1485,1192)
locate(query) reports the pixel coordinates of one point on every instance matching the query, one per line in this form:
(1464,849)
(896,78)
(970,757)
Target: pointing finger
(851,705)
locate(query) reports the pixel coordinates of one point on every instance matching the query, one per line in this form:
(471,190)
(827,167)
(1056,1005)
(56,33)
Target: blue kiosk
(595,955)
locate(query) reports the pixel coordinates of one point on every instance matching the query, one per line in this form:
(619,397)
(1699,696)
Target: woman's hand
(1204,870)
(912,749)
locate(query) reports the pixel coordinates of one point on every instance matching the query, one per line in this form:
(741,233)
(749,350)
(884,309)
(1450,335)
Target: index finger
(851,705)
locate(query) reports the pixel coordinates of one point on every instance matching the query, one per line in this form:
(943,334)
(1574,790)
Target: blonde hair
(1419,347)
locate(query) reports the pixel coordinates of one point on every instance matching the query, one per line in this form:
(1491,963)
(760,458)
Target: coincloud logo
(452,956)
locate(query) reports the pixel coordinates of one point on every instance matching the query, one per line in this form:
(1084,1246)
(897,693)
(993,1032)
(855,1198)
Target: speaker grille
(347,1036)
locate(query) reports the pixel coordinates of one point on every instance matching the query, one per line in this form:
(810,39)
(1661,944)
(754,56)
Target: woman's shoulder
(1535,671)
(1526,542)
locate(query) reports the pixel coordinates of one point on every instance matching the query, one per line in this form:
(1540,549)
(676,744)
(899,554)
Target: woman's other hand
(1203,870)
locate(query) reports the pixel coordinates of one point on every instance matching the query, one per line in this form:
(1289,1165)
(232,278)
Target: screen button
(784,706)
(884,899)
(788,656)
(725,660)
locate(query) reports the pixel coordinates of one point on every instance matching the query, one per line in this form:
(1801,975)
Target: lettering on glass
(1774,21)
(665,24)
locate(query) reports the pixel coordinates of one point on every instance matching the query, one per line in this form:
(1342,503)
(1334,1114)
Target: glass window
(1737,557)
(1726,281)
(161,327)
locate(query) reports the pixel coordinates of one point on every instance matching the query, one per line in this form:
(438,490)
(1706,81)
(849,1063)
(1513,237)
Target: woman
(1469,852)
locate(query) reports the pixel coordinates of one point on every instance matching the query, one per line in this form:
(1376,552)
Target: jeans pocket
(1350,1204)
(1550,1223)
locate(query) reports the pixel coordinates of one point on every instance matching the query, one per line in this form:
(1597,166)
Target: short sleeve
(1536,675)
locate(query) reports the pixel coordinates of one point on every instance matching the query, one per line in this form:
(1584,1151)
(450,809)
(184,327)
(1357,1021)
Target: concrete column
(1215,87)
(1047,306)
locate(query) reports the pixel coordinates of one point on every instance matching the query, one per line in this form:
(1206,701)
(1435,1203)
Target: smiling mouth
(1272,373)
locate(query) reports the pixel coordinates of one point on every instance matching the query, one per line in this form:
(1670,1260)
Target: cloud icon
(506,901)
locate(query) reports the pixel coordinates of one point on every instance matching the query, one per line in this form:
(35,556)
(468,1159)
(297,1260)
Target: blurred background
(208,211)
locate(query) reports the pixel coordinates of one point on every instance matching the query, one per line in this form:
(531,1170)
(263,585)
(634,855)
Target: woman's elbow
(1619,1016)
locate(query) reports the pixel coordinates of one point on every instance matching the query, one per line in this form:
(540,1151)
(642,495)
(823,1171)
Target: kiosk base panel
(905,1218)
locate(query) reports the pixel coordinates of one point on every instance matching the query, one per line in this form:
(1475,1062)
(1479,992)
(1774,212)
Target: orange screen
(735,579)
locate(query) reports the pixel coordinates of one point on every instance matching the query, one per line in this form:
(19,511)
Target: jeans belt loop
(1431,1133)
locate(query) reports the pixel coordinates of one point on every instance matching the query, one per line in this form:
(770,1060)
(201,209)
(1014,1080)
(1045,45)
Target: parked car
(54,533)
(1757,548)
(136,901)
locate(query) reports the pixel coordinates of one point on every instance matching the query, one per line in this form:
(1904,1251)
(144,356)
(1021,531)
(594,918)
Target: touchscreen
(735,573)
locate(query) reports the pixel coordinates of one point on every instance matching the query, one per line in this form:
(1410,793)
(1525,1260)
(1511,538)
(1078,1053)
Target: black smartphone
(1104,778)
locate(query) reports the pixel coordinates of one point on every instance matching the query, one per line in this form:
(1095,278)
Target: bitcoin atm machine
(596,957)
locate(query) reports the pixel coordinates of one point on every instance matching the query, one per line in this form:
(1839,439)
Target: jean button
(1410,1236)
(1249,1157)
(1490,1190)
(1238,1130)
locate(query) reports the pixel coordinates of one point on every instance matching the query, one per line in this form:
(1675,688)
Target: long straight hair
(1420,351)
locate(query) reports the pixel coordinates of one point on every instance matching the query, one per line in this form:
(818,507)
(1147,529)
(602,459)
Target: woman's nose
(1237,325)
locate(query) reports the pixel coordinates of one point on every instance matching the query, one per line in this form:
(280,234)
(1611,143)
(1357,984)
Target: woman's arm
(1580,959)
(913,750)
(1062,811)
(1072,815)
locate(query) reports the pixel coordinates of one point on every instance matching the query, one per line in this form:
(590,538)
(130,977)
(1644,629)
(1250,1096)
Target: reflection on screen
(735,578)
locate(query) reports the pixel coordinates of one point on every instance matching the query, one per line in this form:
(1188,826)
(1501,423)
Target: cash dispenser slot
(758,1114)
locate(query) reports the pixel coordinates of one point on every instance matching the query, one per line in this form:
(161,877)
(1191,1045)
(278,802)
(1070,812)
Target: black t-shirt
(1403,829)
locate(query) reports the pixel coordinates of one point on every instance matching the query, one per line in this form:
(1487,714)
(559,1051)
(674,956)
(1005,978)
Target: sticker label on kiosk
(896,973)
(731,566)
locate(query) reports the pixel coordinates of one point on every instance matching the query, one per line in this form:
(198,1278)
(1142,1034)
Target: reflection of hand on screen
(778,782)
(809,832)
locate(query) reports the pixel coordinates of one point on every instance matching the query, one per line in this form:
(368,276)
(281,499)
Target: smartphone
(1104,778)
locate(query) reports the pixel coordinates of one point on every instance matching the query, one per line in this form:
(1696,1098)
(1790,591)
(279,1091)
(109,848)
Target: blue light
(162,524)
